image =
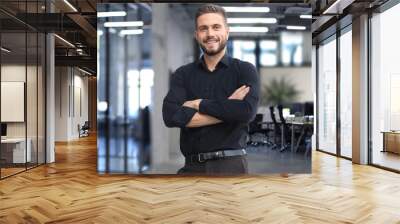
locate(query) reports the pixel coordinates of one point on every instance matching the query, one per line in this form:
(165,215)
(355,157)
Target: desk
(16,147)
(391,141)
(267,125)
(303,126)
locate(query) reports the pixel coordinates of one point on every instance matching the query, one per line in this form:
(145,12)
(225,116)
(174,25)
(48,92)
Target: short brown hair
(210,8)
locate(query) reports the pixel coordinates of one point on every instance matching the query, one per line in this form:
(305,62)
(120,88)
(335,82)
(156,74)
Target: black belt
(202,157)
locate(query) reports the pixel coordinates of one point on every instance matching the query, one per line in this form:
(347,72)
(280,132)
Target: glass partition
(327,97)
(14,153)
(22,89)
(346,94)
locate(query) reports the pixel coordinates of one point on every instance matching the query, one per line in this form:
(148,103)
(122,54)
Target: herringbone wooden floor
(70,191)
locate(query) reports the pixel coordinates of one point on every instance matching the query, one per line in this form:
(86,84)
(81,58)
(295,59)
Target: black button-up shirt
(195,81)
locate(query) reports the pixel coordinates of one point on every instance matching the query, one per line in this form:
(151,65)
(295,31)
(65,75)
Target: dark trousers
(224,166)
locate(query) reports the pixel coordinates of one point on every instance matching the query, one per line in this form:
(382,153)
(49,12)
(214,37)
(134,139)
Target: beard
(212,52)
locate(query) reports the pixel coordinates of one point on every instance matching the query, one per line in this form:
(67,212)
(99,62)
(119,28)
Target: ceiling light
(102,106)
(111,14)
(130,32)
(305,16)
(334,6)
(246,9)
(112,30)
(249,29)
(86,72)
(70,5)
(5,49)
(123,24)
(252,20)
(64,40)
(295,27)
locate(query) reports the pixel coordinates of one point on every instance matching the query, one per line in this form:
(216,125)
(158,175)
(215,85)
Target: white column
(50,99)
(360,90)
(159,133)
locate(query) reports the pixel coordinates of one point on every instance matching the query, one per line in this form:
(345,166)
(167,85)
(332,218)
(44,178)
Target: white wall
(12,73)
(17,73)
(300,77)
(172,45)
(70,83)
(33,126)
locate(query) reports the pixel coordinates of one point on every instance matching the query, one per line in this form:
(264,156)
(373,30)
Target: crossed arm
(199,119)
(187,115)
(239,107)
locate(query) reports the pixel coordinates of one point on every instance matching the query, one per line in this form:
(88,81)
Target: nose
(210,33)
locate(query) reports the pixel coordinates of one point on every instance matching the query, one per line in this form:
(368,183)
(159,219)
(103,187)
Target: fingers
(239,89)
(240,93)
(244,92)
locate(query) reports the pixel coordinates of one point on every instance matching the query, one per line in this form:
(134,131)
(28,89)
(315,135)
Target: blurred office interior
(139,51)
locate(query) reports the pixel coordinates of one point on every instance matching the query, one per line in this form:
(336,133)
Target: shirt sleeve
(174,114)
(236,110)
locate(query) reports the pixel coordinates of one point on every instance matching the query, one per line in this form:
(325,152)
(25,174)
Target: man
(212,101)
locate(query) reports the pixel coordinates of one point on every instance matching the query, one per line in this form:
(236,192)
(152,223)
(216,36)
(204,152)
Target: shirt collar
(225,60)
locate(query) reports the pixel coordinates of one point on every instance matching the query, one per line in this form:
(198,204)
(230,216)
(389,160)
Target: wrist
(197,104)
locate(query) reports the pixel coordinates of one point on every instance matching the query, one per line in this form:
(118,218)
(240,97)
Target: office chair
(276,126)
(84,130)
(255,127)
(284,130)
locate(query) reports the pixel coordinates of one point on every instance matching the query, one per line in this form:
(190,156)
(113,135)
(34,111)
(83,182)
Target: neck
(212,60)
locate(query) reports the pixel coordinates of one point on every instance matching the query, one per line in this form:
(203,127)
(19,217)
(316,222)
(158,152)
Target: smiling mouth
(211,41)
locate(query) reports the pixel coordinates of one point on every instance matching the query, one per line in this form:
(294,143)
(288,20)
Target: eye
(203,28)
(217,27)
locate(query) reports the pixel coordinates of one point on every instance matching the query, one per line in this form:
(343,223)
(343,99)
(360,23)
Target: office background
(22,91)
(48,83)
(135,64)
(339,190)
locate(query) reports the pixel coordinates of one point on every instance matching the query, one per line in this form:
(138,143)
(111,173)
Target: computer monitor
(3,129)
(309,109)
(286,112)
(297,108)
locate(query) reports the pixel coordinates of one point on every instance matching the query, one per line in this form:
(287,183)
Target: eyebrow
(215,24)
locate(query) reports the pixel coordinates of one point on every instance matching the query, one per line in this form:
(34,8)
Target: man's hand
(195,104)
(200,120)
(240,93)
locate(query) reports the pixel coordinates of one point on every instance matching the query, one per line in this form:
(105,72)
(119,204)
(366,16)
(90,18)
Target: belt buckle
(200,160)
(219,154)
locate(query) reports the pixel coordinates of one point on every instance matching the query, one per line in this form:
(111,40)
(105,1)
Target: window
(385,88)
(245,50)
(292,50)
(269,51)
(346,95)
